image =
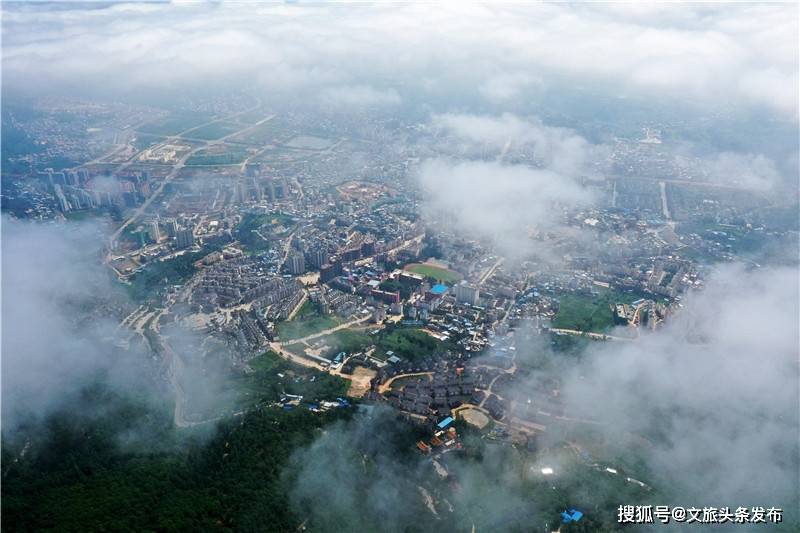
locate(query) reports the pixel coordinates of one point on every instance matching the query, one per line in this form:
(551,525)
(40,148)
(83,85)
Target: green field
(174,124)
(431,271)
(265,225)
(215,130)
(409,344)
(297,329)
(347,340)
(246,234)
(590,313)
(146,284)
(251,117)
(264,383)
(233,156)
(271,131)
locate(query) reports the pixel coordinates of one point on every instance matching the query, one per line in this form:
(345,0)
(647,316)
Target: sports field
(435,272)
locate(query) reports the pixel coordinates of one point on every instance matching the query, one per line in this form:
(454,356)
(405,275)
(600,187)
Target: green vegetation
(247,233)
(251,117)
(146,283)
(145,140)
(87,214)
(271,131)
(80,477)
(393,285)
(265,384)
(347,340)
(306,310)
(590,313)
(410,344)
(215,130)
(174,124)
(571,345)
(438,273)
(299,328)
(232,156)
(585,313)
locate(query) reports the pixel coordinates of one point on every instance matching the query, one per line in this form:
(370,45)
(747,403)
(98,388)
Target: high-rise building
(155,233)
(184,238)
(252,170)
(257,192)
(279,189)
(269,189)
(172,227)
(330,270)
(63,204)
(317,258)
(296,264)
(466,293)
(241,193)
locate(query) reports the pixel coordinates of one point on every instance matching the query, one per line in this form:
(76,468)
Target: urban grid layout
(400,267)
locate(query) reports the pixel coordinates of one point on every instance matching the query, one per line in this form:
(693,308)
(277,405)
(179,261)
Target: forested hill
(129,470)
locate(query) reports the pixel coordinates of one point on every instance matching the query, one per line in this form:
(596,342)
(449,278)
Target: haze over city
(400,267)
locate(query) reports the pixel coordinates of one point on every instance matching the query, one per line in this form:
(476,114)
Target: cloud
(360,96)
(51,345)
(505,202)
(722,55)
(748,171)
(61,327)
(491,200)
(558,149)
(504,87)
(714,393)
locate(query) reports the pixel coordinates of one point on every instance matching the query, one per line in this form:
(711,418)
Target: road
(180,164)
(327,331)
(490,271)
(400,246)
(388,384)
(312,361)
(597,336)
(302,360)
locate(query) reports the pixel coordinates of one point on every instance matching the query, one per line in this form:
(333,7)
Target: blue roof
(573,515)
(439,289)
(446,422)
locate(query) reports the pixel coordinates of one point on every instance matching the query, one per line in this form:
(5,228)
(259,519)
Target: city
(519,321)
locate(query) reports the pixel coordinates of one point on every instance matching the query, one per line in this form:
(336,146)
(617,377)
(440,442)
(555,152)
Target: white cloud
(360,96)
(723,54)
(718,385)
(558,149)
(748,171)
(491,200)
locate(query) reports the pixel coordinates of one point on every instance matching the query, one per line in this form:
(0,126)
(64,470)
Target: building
(155,233)
(329,271)
(378,315)
(172,227)
(296,264)
(252,170)
(184,238)
(317,258)
(466,293)
(386,296)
